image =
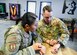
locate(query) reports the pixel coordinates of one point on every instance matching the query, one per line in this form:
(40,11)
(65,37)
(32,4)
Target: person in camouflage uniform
(52,30)
(18,38)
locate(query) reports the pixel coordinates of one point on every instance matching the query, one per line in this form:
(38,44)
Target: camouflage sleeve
(40,33)
(12,45)
(64,33)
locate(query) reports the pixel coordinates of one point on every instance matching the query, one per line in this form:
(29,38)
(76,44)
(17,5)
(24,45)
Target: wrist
(47,41)
(57,46)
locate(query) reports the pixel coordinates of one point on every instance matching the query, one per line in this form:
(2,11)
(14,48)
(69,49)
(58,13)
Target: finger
(55,50)
(39,45)
(38,48)
(51,39)
(51,43)
(52,51)
(40,53)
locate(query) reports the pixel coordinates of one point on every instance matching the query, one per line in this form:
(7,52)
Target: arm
(40,33)
(64,36)
(12,45)
(64,33)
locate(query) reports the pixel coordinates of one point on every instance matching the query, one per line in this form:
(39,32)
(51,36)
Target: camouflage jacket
(55,30)
(17,41)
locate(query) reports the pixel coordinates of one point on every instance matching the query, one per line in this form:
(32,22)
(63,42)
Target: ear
(26,26)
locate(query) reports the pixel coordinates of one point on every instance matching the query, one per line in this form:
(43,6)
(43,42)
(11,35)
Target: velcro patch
(12,47)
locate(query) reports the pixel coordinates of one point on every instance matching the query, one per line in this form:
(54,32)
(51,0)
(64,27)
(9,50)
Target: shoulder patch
(12,47)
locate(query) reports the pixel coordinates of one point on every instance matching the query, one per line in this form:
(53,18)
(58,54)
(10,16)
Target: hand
(43,50)
(55,48)
(37,46)
(53,42)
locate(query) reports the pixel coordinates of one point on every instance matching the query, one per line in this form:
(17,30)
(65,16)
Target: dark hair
(28,18)
(48,8)
(18,20)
